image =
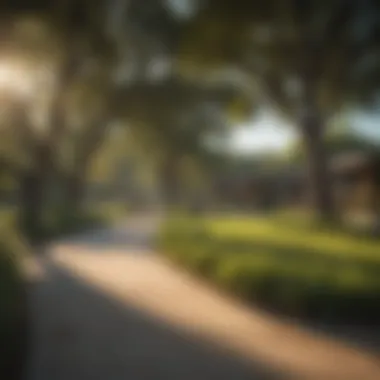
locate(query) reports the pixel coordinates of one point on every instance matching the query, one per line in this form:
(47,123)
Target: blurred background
(252,127)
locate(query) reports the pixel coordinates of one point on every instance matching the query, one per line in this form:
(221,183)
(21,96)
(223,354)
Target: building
(358,180)
(355,176)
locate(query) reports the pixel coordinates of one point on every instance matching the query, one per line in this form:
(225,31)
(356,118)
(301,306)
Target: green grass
(297,237)
(280,263)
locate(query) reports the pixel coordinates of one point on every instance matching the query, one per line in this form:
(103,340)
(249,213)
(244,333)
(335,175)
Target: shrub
(318,286)
(242,274)
(190,244)
(12,313)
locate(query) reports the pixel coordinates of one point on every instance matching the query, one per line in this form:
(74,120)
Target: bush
(243,274)
(297,285)
(189,244)
(12,314)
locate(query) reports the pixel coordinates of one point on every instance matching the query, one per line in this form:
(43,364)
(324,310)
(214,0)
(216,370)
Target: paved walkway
(104,306)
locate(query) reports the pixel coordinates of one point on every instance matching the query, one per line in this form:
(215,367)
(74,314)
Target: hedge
(308,287)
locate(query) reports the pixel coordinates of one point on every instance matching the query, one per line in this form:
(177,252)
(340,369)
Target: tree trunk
(74,191)
(375,197)
(318,169)
(76,181)
(35,191)
(31,205)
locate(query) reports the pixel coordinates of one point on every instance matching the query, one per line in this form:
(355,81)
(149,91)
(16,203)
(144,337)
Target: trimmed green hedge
(13,314)
(298,285)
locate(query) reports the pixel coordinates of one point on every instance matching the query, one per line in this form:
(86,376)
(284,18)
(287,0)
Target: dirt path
(105,307)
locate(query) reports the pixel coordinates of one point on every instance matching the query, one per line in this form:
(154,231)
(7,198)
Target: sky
(263,134)
(368,124)
(270,134)
(182,8)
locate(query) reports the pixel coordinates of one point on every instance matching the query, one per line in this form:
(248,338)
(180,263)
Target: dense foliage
(314,274)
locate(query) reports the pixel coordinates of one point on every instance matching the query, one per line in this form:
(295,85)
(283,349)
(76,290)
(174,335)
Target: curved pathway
(104,306)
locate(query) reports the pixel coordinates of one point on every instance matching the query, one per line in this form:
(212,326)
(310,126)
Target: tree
(80,41)
(309,59)
(172,120)
(58,43)
(344,141)
(77,55)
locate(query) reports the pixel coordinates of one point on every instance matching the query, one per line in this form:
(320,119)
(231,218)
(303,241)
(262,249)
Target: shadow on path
(104,318)
(79,333)
(362,335)
(138,236)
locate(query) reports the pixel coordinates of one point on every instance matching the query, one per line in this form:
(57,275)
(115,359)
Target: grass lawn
(286,264)
(296,236)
